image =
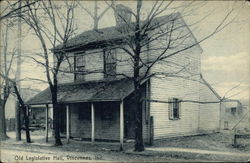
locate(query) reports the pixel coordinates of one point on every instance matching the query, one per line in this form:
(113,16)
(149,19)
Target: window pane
(80,63)
(110,63)
(110,56)
(175,108)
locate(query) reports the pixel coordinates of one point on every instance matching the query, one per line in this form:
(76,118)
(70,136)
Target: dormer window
(80,66)
(110,63)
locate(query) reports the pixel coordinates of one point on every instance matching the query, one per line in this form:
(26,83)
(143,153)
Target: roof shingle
(115,90)
(108,33)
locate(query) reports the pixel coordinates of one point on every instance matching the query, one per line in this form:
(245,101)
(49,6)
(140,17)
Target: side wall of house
(164,88)
(209,114)
(177,78)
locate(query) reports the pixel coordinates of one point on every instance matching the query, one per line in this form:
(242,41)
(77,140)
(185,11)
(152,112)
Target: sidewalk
(194,154)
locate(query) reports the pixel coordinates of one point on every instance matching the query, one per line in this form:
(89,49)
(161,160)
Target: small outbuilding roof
(91,91)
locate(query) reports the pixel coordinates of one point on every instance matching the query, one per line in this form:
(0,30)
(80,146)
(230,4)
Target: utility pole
(18,75)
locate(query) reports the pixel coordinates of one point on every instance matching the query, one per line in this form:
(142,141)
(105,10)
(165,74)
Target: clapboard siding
(162,90)
(209,119)
(95,65)
(164,87)
(104,129)
(65,74)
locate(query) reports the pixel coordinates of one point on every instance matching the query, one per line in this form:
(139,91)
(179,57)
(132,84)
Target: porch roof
(91,91)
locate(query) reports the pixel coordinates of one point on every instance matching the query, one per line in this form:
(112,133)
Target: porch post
(121,125)
(46,123)
(67,123)
(92,123)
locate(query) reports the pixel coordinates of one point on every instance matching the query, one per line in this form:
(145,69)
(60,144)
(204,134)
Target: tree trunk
(3,135)
(56,120)
(18,122)
(26,123)
(139,145)
(25,116)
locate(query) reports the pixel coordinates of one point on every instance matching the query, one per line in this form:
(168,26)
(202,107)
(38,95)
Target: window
(107,110)
(107,114)
(174,108)
(233,110)
(84,111)
(110,63)
(80,66)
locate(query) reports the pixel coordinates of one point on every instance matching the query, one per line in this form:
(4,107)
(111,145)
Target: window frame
(110,62)
(174,109)
(83,59)
(233,110)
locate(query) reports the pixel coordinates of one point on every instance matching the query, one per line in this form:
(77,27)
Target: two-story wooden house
(100,104)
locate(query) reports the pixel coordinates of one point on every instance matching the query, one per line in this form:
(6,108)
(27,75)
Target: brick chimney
(122,15)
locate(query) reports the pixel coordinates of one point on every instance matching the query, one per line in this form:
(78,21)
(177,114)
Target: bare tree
(7,57)
(172,37)
(11,9)
(16,92)
(52,25)
(8,84)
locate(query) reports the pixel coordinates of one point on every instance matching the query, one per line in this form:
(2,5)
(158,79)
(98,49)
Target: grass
(109,151)
(214,142)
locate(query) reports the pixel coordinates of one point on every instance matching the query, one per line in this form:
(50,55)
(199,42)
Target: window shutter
(170,109)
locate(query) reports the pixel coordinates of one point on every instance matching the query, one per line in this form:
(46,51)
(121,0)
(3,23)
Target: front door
(129,124)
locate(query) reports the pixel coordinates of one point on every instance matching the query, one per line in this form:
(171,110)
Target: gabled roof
(210,87)
(91,91)
(109,33)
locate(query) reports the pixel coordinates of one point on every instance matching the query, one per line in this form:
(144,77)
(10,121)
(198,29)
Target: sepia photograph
(124,81)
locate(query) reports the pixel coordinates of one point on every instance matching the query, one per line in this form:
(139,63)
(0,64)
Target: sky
(225,58)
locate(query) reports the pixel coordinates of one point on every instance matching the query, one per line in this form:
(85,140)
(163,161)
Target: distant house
(98,106)
(11,103)
(232,111)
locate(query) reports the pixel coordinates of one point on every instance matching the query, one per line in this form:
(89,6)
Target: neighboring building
(10,106)
(37,116)
(100,105)
(233,115)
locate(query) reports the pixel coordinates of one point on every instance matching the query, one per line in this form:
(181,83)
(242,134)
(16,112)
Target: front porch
(94,121)
(96,111)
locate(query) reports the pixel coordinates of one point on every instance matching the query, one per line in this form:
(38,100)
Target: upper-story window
(80,66)
(110,63)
